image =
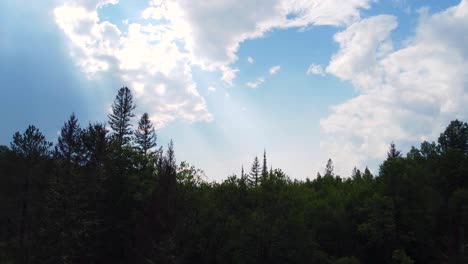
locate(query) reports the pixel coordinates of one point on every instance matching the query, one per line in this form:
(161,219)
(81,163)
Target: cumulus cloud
(250,60)
(172,36)
(255,83)
(273,70)
(405,95)
(315,69)
(215,30)
(146,57)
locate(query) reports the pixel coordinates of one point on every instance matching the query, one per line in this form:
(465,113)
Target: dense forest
(108,193)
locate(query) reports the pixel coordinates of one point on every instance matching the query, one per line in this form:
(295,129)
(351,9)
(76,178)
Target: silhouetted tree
(145,136)
(69,146)
(329,168)
(393,153)
(32,148)
(255,172)
(264,167)
(119,120)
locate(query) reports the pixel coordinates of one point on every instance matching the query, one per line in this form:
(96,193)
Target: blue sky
(306,80)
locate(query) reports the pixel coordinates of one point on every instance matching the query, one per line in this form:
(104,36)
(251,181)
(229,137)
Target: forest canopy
(108,193)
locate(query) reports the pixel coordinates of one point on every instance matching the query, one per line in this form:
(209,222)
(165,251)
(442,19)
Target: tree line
(108,193)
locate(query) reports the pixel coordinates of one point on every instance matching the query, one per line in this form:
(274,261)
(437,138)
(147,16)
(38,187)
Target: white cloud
(213,31)
(175,35)
(211,89)
(273,70)
(255,83)
(250,60)
(228,74)
(315,69)
(147,58)
(405,94)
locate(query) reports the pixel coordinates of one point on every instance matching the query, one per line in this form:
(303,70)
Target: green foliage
(31,145)
(400,257)
(119,119)
(104,198)
(254,176)
(145,136)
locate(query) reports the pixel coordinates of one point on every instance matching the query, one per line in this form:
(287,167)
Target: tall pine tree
(255,172)
(32,149)
(329,168)
(119,120)
(264,167)
(145,136)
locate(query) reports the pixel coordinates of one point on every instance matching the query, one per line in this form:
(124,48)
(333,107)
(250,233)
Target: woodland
(109,193)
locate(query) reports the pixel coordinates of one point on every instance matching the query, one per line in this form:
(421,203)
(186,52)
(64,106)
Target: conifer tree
(264,167)
(119,120)
(255,172)
(393,153)
(69,146)
(367,175)
(329,168)
(31,147)
(356,174)
(145,136)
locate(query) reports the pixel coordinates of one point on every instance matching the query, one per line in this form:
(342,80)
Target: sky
(305,80)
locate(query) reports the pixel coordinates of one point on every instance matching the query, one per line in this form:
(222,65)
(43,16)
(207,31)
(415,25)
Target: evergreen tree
(393,153)
(31,145)
(119,120)
(367,175)
(356,174)
(264,167)
(66,197)
(255,172)
(32,148)
(145,136)
(69,145)
(329,168)
(95,145)
(155,234)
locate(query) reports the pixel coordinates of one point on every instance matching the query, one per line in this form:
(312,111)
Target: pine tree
(69,146)
(329,168)
(255,172)
(31,147)
(356,174)
(119,120)
(155,234)
(367,175)
(264,167)
(145,136)
(67,199)
(95,144)
(393,153)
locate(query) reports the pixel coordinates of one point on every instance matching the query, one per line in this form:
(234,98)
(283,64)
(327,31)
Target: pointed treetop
(69,143)
(255,172)
(393,153)
(265,167)
(119,119)
(329,168)
(145,136)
